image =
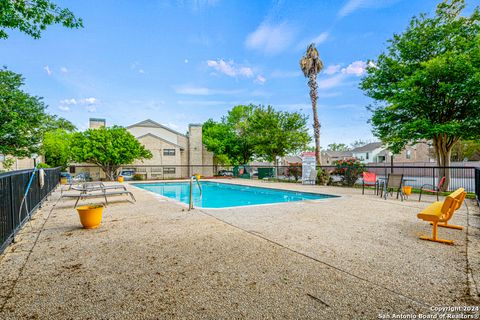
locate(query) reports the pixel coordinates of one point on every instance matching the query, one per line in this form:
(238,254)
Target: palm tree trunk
(312,83)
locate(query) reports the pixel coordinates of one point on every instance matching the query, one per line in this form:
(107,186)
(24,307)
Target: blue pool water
(223,195)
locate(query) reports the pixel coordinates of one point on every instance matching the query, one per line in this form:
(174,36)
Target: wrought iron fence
(477,184)
(465,177)
(12,190)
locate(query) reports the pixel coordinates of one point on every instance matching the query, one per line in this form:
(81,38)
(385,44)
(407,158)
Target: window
(168,152)
(168,170)
(366,156)
(409,154)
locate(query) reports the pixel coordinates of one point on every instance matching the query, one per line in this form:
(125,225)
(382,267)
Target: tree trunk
(443,145)
(110,172)
(312,83)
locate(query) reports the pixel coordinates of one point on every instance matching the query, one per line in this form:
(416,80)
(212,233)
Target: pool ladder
(190,202)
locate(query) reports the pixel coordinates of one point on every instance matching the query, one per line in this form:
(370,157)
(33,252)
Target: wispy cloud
(47,70)
(332,69)
(353,5)
(63,70)
(202,102)
(203,91)
(271,39)
(260,79)
(331,82)
(90,104)
(230,68)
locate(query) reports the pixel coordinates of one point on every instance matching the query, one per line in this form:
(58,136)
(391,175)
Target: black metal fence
(477,184)
(465,177)
(12,190)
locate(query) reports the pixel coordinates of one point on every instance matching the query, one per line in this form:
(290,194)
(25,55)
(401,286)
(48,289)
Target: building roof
(151,123)
(292,159)
(160,138)
(368,147)
(338,154)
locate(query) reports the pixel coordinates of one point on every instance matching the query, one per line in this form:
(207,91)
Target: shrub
(349,169)
(323,177)
(137,177)
(42,165)
(295,171)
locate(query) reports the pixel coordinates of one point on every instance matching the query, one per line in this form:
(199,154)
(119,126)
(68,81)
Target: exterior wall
(22,163)
(208,161)
(195,148)
(415,153)
(96,123)
(372,155)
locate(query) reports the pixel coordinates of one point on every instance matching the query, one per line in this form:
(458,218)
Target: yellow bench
(438,214)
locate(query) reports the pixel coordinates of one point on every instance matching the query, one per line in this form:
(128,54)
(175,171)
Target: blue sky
(180,62)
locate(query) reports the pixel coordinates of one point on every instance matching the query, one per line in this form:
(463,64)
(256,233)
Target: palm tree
(311,65)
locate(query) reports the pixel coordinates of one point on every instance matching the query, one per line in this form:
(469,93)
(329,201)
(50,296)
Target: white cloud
(270,39)
(260,79)
(63,70)
(321,38)
(48,70)
(186,60)
(203,91)
(88,103)
(230,68)
(141,71)
(331,82)
(357,68)
(332,69)
(353,5)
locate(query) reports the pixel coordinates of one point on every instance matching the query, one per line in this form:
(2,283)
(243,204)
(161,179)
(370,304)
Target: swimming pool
(224,195)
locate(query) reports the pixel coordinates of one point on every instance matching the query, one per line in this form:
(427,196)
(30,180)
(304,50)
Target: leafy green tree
(427,84)
(359,143)
(21,117)
(278,133)
(311,65)
(56,148)
(338,147)
(465,149)
(33,16)
(8,163)
(23,120)
(108,148)
(231,139)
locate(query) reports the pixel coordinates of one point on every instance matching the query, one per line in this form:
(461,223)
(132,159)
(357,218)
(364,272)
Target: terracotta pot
(90,216)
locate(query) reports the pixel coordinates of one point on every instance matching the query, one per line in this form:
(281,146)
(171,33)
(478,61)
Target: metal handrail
(190,202)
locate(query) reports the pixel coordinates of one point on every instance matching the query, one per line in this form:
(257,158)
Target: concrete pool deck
(353,257)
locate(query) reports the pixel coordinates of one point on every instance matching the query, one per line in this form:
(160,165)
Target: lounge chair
(394,181)
(439,213)
(98,194)
(369,180)
(433,189)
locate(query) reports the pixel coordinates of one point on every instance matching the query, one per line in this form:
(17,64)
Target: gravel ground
(355,257)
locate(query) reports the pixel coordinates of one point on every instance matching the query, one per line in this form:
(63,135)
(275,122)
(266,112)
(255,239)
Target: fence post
(433,177)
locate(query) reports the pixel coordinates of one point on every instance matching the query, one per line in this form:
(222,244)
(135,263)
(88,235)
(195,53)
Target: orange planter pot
(120,178)
(90,216)
(407,190)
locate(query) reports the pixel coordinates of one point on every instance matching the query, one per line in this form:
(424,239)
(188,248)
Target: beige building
(175,155)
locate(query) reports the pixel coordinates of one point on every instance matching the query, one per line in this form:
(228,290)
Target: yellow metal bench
(439,213)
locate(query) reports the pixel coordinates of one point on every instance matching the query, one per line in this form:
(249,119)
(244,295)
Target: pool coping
(331,196)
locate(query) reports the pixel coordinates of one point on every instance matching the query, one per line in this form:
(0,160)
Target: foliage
(294,170)
(8,163)
(278,133)
(338,147)
(42,165)
(349,169)
(311,65)
(108,148)
(230,139)
(249,131)
(56,148)
(23,120)
(427,84)
(466,150)
(33,16)
(137,177)
(323,177)
(359,143)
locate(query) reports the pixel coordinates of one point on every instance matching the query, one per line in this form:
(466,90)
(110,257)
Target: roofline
(160,138)
(158,124)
